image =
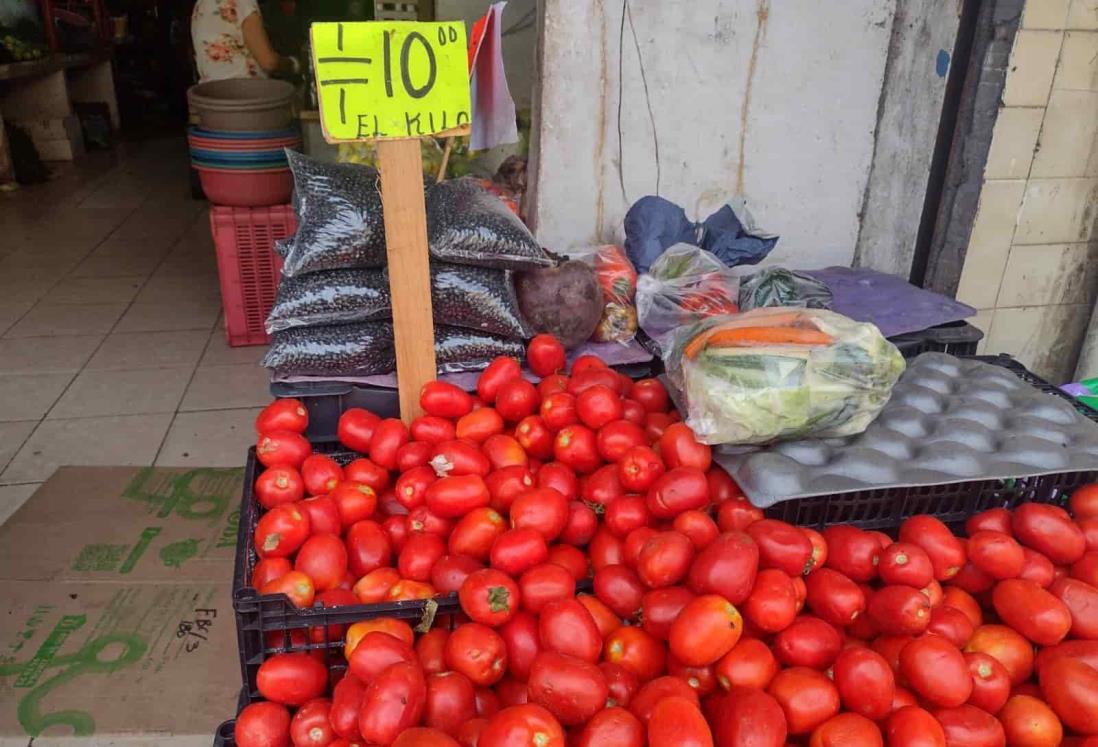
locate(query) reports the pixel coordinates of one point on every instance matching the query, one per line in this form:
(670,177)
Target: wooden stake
(445,159)
(401,167)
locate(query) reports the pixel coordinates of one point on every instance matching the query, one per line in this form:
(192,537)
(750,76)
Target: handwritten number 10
(445,35)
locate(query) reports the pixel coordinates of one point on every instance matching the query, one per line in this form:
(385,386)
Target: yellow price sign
(391,79)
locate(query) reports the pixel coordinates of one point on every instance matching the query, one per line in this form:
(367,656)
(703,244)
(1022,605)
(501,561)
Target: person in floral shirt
(230,42)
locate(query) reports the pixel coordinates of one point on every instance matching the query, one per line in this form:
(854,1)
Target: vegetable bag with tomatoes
(776,373)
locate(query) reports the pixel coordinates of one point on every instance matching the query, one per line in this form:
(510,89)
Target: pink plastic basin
(246,188)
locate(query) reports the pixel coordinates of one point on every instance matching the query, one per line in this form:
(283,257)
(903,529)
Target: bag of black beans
(469,225)
(458,349)
(476,298)
(332,297)
(362,349)
(339,219)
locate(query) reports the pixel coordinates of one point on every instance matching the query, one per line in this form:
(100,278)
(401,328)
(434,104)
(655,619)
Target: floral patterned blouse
(218,36)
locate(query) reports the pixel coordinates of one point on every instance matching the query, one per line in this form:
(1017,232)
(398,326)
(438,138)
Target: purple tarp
(893,304)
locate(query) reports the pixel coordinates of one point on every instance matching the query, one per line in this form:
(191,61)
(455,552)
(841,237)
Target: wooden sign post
(394,82)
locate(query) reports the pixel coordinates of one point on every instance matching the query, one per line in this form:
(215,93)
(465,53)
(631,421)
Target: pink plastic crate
(248,266)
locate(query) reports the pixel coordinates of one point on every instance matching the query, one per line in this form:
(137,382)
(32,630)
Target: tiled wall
(1032,262)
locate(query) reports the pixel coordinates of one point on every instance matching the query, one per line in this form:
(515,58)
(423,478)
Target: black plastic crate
(886,508)
(224,737)
(955,338)
(327,400)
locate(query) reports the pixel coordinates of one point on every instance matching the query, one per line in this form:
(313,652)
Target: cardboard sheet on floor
(116,619)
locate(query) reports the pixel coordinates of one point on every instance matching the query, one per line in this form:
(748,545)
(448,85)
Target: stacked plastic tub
(239,150)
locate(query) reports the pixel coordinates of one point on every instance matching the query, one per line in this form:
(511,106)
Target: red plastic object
(248,266)
(246,188)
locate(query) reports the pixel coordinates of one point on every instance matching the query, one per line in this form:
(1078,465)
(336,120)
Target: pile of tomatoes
(708,624)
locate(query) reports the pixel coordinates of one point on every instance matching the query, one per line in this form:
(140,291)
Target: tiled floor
(111,347)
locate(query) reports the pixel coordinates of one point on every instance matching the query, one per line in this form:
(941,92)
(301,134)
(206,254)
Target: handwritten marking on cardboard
(390,79)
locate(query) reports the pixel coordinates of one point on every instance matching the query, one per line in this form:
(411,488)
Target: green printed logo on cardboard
(178,553)
(121,558)
(123,650)
(198,494)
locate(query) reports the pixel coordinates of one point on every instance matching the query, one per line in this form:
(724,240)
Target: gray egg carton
(949,420)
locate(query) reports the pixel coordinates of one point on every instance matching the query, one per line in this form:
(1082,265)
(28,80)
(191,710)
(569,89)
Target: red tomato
(936,670)
(1007,646)
(853,552)
(616,438)
(965,602)
(747,717)
(552,383)
(652,394)
(558,410)
(393,702)
(356,429)
(1071,688)
(526,725)
(506,484)
(323,515)
(721,486)
(263,724)
(281,531)
(543,584)
(808,642)
(605,549)
(419,555)
(346,699)
(619,588)
(968,726)
(622,683)
(750,664)
(368,473)
(655,423)
(951,624)
(430,650)
(459,459)
(411,487)
(375,585)
(637,651)
(652,692)
(727,566)
(597,406)
(912,726)
(664,559)
(772,604)
(499,371)
(639,468)
(706,629)
(677,721)
(445,400)
(679,448)
(1049,530)
(520,636)
(1032,611)
(571,558)
(450,702)
(807,697)
(560,477)
(291,679)
(1083,502)
(504,451)
(475,532)
(413,454)
(478,652)
(268,569)
(542,509)
(1086,569)
(737,515)
(575,446)
(450,572)
(1028,722)
(282,449)
(585,363)
(905,564)
(516,399)
(534,436)
(487,702)
(890,646)
(996,554)
(545,355)
(279,485)
(947,553)
(660,607)
(421,519)
(282,415)
(354,502)
(571,689)
(992,520)
(899,610)
(634,412)
(567,627)
(295,585)
(432,429)
(781,546)
(389,435)
(367,547)
(578,529)
(478,425)
(489,597)
(452,497)
(680,489)
(612,726)
(1090,532)
(819,546)
(697,526)
(1081,600)
(990,682)
(865,681)
(635,540)
(833,597)
(423,737)
(377,651)
(601,376)
(517,550)
(847,730)
(323,558)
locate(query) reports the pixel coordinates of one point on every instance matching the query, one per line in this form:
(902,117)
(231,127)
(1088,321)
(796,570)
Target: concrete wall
(518,43)
(775,100)
(1032,261)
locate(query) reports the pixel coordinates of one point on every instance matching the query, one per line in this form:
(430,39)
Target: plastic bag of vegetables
(777,373)
(684,285)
